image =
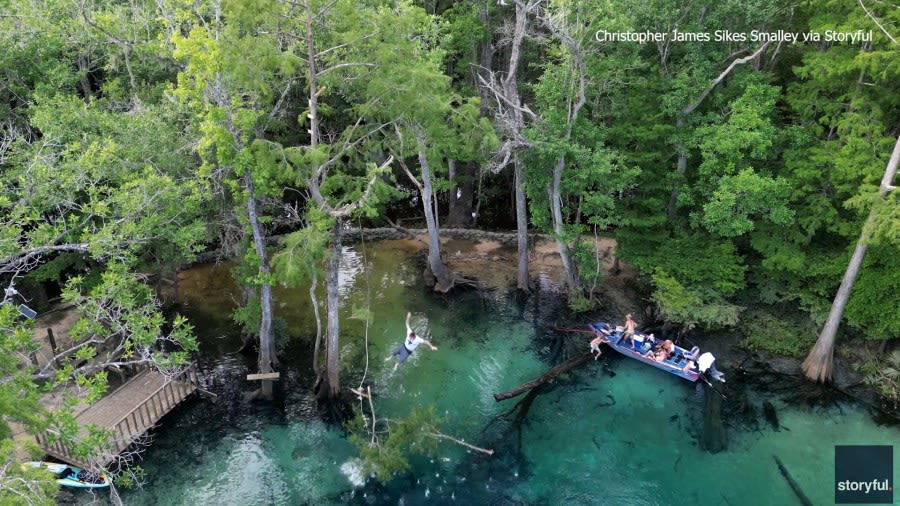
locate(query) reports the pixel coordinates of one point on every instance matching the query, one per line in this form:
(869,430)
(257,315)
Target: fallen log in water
(547,376)
(713,429)
(793,483)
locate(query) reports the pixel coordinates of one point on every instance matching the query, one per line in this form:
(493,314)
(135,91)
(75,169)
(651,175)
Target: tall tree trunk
(511,90)
(267,358)
(523,280)
(555,191)
(175,293)
(313,286)
(332,386)
(444,277)
(332,332)
(680,169)
(818,363)
(266,340)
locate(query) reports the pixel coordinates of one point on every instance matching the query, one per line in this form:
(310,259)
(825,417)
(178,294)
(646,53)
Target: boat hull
(674,366)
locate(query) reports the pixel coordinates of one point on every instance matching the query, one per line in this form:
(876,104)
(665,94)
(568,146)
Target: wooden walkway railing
(129,412)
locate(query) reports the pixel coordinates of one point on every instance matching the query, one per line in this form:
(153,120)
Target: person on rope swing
(409,345)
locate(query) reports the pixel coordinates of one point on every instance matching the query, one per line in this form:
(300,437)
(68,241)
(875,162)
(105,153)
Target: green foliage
(690,306)
(747,133)
(581,304)
(461,32)
(739,198)
(132,478)
(886,226)
(248,316)
(693,277)
(24,485)
(883,374)
(18,394)
(871,306)
(387,453)
(778,334)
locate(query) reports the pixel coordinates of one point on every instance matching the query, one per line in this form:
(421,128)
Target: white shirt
(412,344)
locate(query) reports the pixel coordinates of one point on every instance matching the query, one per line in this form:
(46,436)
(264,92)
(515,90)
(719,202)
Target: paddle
(710,385)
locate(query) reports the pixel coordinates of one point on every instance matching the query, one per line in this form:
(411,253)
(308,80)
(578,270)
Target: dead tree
(510,114)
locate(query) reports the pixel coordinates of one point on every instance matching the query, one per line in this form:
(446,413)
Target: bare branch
(28,258)
(278,104)
(875,20)
(740,61)
(341,46)
(342,65)
(410,175)
(438,435)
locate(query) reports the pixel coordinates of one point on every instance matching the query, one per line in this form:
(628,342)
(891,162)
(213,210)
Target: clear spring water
(627,439)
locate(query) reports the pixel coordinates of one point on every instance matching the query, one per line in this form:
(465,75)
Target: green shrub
(777,334)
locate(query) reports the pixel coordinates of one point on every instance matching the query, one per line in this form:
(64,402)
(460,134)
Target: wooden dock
(129,412)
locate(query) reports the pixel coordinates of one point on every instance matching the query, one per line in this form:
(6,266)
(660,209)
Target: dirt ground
(494,265)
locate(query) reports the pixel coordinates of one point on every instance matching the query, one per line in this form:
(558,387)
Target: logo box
(864,474)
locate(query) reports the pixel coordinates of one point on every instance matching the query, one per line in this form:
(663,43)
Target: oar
(703,377)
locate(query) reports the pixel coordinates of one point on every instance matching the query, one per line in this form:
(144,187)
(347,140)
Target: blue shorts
(402,353)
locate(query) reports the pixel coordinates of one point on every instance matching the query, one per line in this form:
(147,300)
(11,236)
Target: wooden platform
(129,412)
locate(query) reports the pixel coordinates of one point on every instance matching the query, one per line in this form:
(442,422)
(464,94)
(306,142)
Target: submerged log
(771,416)
(547,376)
(792,482)
(713,429)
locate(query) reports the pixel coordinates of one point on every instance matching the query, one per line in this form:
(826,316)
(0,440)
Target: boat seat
(693,354)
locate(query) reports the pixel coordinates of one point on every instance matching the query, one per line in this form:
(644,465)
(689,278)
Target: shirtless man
(601,337)
(628,333)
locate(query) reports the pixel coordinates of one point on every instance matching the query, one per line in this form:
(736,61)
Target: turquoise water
(593,437)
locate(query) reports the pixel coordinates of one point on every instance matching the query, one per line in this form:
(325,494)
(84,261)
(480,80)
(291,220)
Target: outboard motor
(707,362)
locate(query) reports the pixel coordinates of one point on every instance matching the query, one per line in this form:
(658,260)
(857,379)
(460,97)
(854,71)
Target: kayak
(73,477)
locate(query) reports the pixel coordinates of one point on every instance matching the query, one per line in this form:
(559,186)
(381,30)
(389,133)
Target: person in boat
(664,351)
(628,333)
(649,343)
(409,345)
(601,336)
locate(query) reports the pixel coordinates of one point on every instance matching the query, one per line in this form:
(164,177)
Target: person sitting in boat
(628,333)
(649,343)
(409,345)
(664,351)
